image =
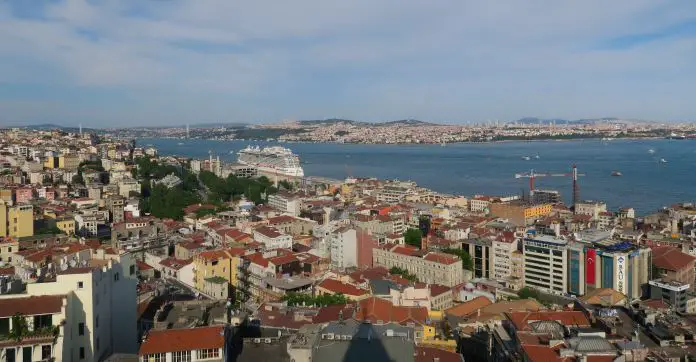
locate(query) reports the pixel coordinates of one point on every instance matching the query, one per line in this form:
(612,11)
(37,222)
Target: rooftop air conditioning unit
(268,341)
(257,340)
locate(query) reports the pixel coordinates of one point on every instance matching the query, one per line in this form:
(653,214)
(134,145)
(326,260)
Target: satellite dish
(72,263)
(64,267)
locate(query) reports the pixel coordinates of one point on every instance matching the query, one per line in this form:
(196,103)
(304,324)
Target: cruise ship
(277,160)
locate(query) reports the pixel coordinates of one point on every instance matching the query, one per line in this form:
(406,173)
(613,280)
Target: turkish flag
(590,260)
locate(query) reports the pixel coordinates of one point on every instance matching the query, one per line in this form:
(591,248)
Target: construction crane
(574,174)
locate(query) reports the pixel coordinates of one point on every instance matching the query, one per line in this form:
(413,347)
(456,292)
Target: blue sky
(156,62)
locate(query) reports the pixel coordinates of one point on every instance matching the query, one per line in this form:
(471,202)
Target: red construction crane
(574,174)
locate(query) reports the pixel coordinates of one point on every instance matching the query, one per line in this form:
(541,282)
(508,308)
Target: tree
(78,179)
(404,273)
(467,262)
(528,293)
(20,327)
(413,237)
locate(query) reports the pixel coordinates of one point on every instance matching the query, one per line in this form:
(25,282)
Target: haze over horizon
(135,62)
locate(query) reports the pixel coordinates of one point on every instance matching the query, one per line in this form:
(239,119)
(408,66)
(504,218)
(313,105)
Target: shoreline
(651,138)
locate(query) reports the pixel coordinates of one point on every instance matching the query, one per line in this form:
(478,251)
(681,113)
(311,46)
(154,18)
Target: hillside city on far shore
(111,251)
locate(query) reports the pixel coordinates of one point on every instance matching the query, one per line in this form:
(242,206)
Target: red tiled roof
(375,273)
(283,259)
(172,340)
(143,265)
(469,307)
(536,353)
(430,354)
(282,219)
(376,309)
(671,258)
(408,250)
(336,287)
(7,271)
(257,258)
(83,270)
(268,232)
(214,255)
(441,258)
(174,263)
(45,304)
(437,289)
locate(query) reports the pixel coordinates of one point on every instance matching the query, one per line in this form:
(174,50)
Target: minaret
(80,129)
(187,131)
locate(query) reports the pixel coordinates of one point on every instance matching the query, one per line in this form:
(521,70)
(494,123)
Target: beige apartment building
(428,267)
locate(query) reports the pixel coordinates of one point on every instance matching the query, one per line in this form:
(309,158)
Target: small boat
(537,157)
(651,151)
(526,158)
(662,160)
(180,144)
(616,173)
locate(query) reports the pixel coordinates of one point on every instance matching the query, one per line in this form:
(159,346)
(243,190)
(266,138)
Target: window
(97,344)
(46,352)
(80,285)
(96,325)
(155,357)
(181,356)
(9,249)
(132,269)
(81,329)
(208,353)
(82,352)
(116,276)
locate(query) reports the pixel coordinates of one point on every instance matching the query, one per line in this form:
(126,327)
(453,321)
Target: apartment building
(271,238)
(221,263)
(590,208)
(343,248)
(479,203)
(191,344)
(8,246)
(504,247)
(16,221)
(428,267)
(480,250)
(90,308)
(545,263)
(520,213)
(286,203)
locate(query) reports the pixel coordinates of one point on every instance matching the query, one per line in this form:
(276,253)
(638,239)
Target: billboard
(620,262)
(590,260)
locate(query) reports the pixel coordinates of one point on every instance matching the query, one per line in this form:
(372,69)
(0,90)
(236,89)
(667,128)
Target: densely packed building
(109,250)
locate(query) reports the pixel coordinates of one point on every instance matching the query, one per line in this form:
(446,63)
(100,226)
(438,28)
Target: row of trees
(320,300)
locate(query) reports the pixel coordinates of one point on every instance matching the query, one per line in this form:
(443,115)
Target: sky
(111,63)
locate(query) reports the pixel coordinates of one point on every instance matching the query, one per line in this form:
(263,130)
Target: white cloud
(466,60)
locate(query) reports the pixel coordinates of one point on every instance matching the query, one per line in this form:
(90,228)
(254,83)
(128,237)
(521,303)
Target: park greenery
(467,262)
(528,293)
(413,237)
(403,273)
(233,188)
(320,300)
(159,200)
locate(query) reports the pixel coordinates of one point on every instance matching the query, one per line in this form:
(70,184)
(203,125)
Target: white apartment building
(93,308)
(286,203)
(272,239)
(431,268)
(503,252)
(86,224)
(545,264)
(591,208)
(344,248)
(479,203)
